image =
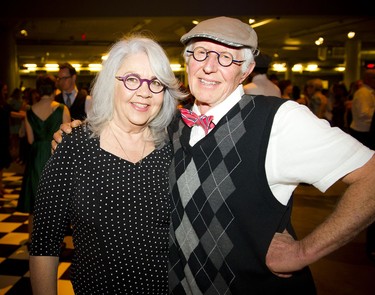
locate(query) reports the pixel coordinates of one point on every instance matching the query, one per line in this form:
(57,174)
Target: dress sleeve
(53,199)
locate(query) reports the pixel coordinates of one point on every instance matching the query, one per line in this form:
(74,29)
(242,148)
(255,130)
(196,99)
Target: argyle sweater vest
(224,214)
(77,109)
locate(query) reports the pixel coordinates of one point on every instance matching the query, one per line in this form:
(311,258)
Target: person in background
(298,96)
(318,102)
(109,179)
(274,79)
(338,95)
(15,102)
(354,86)
(234,171)
(24,144)
(6,114)
(363,106)
(5,156)
(78,102)
(286,88)
(41,122)
(260,84)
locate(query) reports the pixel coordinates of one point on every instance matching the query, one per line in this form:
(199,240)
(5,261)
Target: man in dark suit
(77,102)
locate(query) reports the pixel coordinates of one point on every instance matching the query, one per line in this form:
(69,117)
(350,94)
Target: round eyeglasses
(134,81)
(225,59)
(62,78)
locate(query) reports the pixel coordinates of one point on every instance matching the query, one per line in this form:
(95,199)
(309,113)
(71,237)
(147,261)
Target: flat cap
(226,30)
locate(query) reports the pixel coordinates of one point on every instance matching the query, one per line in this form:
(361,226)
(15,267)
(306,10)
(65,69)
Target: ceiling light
(297,68)
(77,66)
(262,23)
(195,22)
(52,67)
(351,35)
(291,47)
(175,67)
(251,21)
(312,68)
(293,41)
(30,67)
(95,67)
(279,67)
(319,41)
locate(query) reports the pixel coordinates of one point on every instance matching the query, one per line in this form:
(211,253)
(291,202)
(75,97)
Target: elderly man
(235,169)
(232,185)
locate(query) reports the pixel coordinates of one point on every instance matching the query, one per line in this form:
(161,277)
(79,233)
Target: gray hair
(247,55)
(103,87)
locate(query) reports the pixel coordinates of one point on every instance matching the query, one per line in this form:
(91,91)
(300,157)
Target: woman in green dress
(42,120)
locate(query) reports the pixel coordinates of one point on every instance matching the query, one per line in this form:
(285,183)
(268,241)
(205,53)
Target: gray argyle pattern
(217,185)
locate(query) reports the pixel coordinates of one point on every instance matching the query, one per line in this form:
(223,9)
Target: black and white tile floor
(14,263)
(347,271)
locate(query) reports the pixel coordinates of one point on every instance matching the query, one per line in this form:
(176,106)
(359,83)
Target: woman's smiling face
(137,107)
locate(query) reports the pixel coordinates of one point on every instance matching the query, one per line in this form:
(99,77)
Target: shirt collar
(73,92)
(222,108)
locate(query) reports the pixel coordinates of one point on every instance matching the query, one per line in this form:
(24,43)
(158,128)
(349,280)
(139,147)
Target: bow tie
(190,118)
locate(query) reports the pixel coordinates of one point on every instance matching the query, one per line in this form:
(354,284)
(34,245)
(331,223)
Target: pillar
(352,61)
(9,73)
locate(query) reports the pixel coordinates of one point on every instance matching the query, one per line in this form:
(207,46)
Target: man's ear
(250,68)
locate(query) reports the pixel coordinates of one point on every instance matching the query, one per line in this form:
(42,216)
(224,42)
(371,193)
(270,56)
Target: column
(9,73)
(352,61)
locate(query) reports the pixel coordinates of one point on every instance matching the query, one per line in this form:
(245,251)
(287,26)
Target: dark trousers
(370,240)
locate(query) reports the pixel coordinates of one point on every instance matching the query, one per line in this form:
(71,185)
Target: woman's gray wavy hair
(103,87)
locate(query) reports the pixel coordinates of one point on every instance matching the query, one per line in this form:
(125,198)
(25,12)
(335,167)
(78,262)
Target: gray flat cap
(226,30)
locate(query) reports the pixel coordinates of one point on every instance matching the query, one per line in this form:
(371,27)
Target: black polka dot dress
(118,211)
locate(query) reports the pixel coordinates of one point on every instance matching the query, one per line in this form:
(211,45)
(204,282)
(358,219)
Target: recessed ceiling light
(351,35)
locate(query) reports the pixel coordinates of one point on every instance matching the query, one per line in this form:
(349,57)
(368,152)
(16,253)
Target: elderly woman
(109,180)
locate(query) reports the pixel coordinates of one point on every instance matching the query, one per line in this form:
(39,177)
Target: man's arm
(353,213)
(43,274)
(66,128)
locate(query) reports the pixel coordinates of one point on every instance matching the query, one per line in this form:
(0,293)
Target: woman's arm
(43,274)
(18,114)
(29,131)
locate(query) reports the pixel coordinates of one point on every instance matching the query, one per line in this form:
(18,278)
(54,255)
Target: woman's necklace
(123,150)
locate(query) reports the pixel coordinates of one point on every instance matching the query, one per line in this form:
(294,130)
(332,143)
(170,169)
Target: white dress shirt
(301,149)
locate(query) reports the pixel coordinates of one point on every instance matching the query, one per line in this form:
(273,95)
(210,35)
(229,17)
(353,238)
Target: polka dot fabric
(119,214)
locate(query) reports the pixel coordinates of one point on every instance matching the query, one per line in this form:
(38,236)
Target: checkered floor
(14,264)
(347,271)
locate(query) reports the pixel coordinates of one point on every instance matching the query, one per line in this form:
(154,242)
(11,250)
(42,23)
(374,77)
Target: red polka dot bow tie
(190,118)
